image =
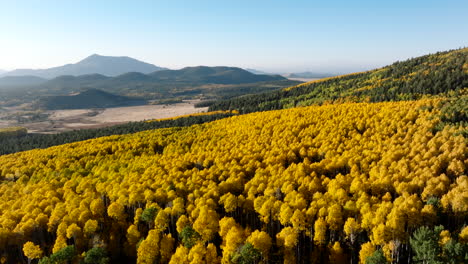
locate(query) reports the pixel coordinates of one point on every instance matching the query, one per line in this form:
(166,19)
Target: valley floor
(66,120)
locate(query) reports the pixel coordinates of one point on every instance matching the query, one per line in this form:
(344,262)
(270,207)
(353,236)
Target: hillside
(91,98)
(15,139)
(411,79)
(94,64)
(330,183)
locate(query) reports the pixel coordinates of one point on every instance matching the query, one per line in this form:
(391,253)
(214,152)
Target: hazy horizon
(276,37)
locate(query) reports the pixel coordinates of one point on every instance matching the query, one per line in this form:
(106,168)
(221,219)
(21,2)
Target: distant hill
(68,83)
(94,64)
(91,98)
(15,81)
(218,75)
(310,75)
(432,74)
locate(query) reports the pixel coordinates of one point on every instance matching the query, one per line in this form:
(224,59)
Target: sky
(273,35)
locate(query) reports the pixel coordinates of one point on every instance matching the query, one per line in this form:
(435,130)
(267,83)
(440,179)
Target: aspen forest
(338,183)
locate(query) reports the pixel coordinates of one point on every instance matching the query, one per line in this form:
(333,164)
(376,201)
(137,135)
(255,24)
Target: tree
(298,220)
(197,253)
(149,248)
(166,248)
(133,235)
(62,256)
(189,237)
(376,258)
(211,254)
(261,241)
(233,240)
(161,221)
(182,222)
(116,211)
(180,256)
(335,217)
(464,234)
(90,227)
(455,252)
(207,223)
(31,251)
(367,250)
(425,244)
(60,243)
(246,254)
(351,229)
(96,255)
(149,214)
(73,231)
(320,229)
(287,237)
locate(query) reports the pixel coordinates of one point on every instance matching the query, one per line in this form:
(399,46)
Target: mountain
(309,75)
(94,64)
(188,75)
(218,75)
(91,98)
(15,81)
(159,81)
(2,71)
(70,82)
(412,79)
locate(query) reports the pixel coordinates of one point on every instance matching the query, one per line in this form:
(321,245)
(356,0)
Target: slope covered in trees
(347,183)
(407,80)
(16,139)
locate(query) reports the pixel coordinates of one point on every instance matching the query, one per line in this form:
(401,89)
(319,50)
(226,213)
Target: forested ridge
(412,79)
(344,183)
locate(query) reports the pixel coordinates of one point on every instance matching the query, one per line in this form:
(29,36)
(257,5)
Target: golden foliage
(270,178)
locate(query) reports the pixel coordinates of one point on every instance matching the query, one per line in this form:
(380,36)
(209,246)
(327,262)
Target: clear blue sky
(271,35)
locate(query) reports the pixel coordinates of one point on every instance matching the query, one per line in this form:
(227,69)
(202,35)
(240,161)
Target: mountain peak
(93,64)
(93,56)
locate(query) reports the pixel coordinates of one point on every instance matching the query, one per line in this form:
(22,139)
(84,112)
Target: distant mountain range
(91,98)
(163,85)
(2,71)
(190,75)
(94,64)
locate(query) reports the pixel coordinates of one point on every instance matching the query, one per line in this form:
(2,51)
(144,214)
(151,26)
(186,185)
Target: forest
(17,139)
(339,183)
(412,79)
